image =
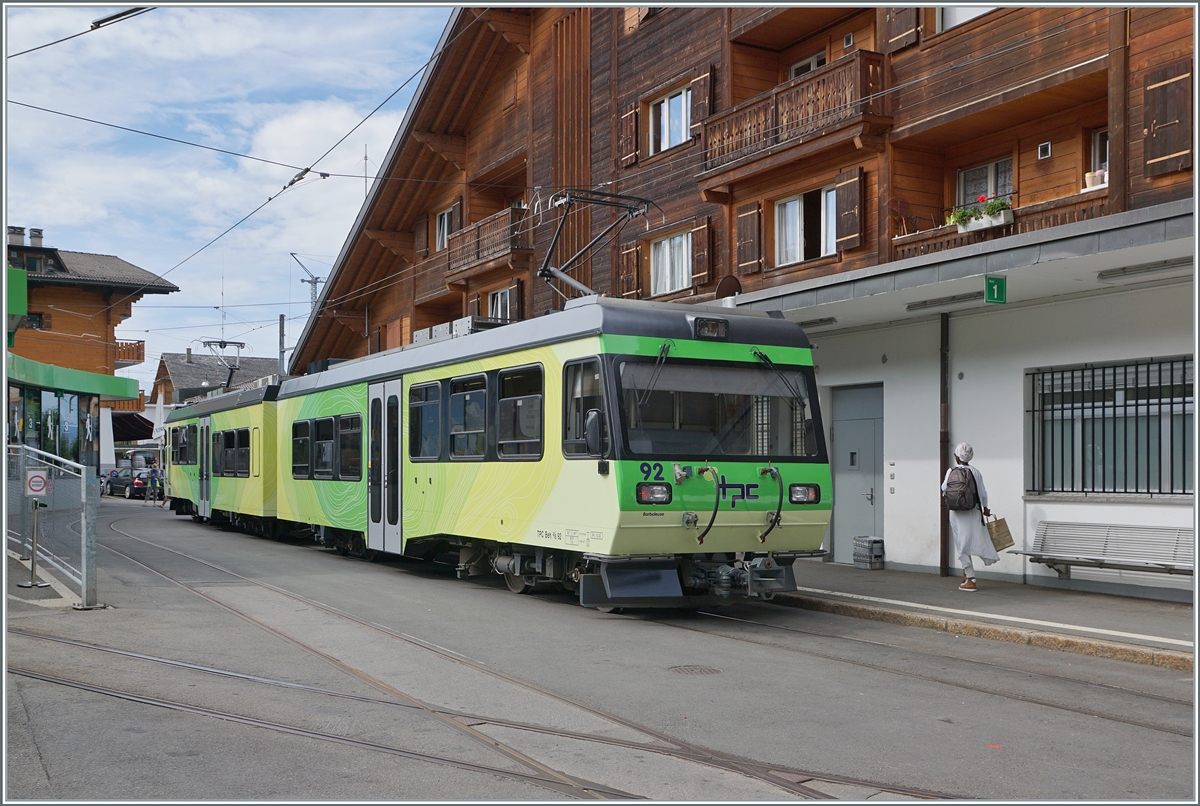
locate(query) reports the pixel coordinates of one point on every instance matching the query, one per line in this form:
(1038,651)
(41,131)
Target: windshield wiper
(643,399)
(761,356)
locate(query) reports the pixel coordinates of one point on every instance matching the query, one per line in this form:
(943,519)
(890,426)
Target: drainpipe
(945,442)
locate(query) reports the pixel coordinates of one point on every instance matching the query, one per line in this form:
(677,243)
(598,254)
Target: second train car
(640,454)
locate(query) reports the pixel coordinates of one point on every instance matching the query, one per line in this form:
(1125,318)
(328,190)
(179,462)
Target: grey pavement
(1140,630)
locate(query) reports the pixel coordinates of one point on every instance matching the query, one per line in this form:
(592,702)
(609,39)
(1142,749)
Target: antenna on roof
(312,279)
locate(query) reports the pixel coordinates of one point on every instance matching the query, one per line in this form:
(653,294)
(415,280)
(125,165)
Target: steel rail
(777,775)
(294,730)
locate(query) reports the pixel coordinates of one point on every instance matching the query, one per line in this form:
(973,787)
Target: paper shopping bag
(998,532)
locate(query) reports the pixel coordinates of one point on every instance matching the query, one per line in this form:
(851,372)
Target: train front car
(720,467)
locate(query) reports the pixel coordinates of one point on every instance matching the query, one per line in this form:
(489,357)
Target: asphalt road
(331,678)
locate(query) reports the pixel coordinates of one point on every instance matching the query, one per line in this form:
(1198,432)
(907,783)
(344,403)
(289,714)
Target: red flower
(982,198)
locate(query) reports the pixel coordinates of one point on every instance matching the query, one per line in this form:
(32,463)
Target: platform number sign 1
(995,290)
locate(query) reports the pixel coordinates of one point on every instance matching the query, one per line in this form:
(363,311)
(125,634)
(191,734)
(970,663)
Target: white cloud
(282,84)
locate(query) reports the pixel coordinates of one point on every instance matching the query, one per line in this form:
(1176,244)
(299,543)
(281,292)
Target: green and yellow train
(642,454)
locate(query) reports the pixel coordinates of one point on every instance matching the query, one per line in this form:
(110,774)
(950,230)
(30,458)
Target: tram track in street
(945,680)
(798,783)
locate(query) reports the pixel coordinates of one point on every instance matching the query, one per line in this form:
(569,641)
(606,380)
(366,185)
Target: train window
(322,458)
(175,446)
(519,414)
(229,463)
(375,460)
(350,447)
(189,436)
(218,453)
(424,422)
(300,449)
(582,392)
(255,451)
(242,446)
(468,418)
(393,460)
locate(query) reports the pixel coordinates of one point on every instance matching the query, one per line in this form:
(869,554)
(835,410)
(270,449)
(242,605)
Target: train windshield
(691,410)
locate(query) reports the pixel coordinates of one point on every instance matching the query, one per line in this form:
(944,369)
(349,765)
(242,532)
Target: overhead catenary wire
(96,26)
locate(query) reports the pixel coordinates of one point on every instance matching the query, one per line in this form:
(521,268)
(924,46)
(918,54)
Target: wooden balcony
(138,405)
(505,237)
(1082,207)
(129,353)
(843,98)
(429,279)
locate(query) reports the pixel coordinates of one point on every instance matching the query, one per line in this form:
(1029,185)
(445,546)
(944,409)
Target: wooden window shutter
(1167,115)
(473,305)
(701,251)
(456,214)
(901,29)
(749,239)
(421,236)
(850,220)
(631,271)
(701,100)
(628,141)
(516,302)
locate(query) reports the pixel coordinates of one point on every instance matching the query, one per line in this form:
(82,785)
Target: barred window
(1119,428)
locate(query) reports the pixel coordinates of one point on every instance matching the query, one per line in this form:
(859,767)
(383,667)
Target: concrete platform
(1138,630)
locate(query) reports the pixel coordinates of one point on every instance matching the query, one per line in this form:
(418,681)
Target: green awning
(48,376)
(18,291)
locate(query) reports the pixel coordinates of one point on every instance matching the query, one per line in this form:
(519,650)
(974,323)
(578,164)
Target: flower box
(1001,219)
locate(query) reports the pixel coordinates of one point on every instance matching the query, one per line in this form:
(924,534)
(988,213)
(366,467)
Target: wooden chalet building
(806,160)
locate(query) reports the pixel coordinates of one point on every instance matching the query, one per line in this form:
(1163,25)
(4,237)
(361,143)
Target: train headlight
(653,493)
(804,494)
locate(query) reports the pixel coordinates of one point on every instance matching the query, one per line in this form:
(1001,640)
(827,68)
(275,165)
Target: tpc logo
(740,492)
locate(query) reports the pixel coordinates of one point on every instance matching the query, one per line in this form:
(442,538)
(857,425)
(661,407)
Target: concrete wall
(993,348)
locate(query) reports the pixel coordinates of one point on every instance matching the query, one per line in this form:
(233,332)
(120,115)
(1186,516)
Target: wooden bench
(1126,548)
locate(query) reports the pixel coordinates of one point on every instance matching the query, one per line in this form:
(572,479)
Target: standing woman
(967,526)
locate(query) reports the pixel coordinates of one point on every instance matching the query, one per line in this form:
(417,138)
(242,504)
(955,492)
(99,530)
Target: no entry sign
(37,482)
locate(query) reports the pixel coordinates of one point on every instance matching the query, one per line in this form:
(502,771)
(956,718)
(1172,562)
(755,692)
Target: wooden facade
(818,141)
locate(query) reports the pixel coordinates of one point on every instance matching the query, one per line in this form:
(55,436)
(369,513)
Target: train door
(203,469)
(384,526)
(856,456)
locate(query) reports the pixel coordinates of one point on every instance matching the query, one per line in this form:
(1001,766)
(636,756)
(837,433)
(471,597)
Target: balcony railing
(130,353)
(429,278)
(1092,204)
(138,405)
(494,237)
(811,104)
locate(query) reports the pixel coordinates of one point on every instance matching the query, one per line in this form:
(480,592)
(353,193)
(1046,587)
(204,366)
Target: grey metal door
(856,450)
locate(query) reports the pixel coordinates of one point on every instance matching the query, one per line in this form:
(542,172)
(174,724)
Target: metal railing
(804,106)
(67,522)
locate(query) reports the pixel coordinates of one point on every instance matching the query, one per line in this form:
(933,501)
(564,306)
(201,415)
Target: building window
(322,455)
(425,422)
(442,236)
(806,226)
(300,449)
(498,304)
(33,264)
(582,393)
(34,321)
(519,414)
(1120,428)
(671,263)
(350,447)
(992,179)
(1100,153)
(950,16)
(808,65)
(468,415)
(670,120)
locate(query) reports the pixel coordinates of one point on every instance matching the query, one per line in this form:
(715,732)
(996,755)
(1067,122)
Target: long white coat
(969,532)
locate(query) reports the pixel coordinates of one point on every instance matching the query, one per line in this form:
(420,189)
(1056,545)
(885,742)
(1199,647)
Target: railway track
(786,781)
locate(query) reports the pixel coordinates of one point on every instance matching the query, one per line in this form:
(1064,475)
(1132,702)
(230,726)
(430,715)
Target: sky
(279,83)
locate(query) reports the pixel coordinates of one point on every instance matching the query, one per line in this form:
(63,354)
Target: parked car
(128,482)
(140,458)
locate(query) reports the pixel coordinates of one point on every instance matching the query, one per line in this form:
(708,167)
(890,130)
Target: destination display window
(350,447)
(519,414)
(301,449)
(468,418)
(322,456)
(425,422)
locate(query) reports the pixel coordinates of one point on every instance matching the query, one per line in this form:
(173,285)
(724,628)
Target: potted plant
(995,212)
